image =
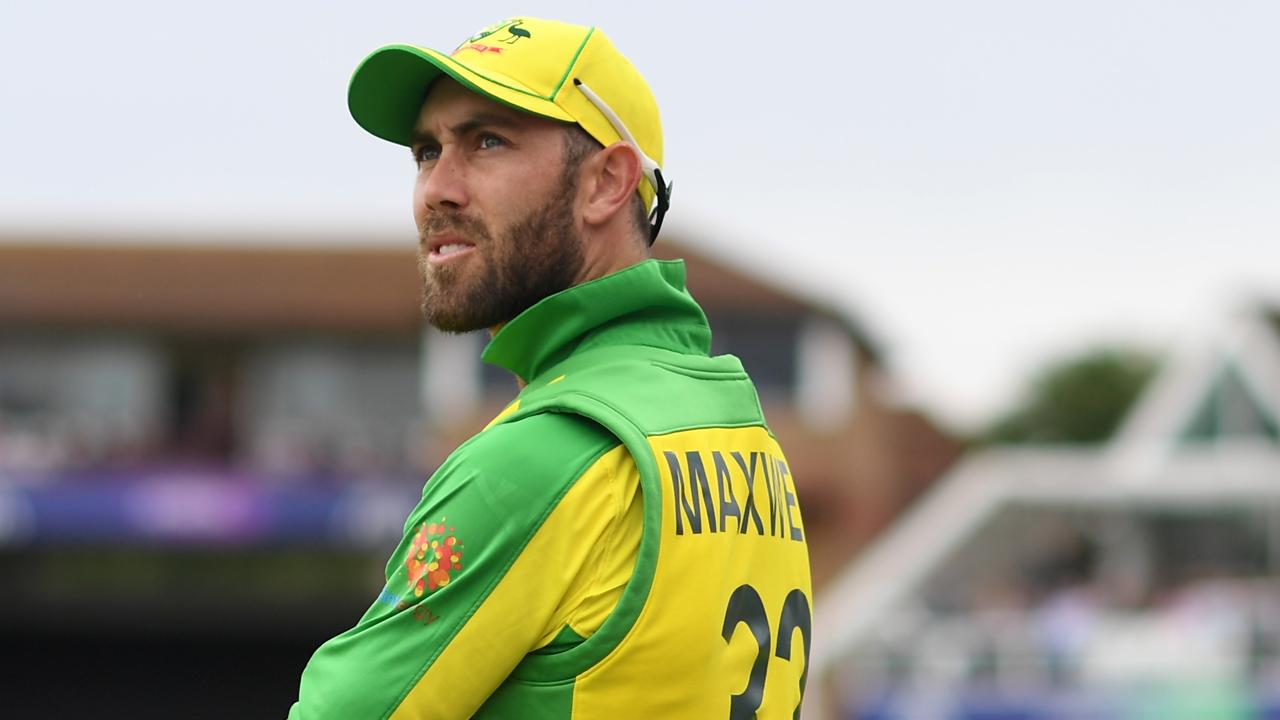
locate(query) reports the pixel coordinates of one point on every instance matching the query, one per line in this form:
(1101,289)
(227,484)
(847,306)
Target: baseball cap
(557,70)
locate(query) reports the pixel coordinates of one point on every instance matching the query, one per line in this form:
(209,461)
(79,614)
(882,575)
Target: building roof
(716,283)
(209,287)
(226,284)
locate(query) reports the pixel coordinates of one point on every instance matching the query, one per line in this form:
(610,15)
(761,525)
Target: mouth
(446,247)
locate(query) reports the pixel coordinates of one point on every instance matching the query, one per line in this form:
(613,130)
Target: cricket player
(624,540)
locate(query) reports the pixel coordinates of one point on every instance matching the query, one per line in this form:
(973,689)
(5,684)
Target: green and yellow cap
(553,69)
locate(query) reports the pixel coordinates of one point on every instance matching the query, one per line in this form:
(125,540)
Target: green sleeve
(477,513)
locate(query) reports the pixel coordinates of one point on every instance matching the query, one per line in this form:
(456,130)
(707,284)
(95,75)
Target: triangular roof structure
(1222,392)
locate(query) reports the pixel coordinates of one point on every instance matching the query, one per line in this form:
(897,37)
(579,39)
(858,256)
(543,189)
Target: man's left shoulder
(544,447)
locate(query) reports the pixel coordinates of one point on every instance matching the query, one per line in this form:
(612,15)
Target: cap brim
(388,88)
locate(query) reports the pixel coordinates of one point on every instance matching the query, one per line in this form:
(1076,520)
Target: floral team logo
(435,554)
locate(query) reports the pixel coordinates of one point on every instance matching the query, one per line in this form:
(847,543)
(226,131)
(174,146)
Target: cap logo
(480,48)
(512,26)
(517,32)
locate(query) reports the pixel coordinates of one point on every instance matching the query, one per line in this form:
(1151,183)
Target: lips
(447,250)
(447,246)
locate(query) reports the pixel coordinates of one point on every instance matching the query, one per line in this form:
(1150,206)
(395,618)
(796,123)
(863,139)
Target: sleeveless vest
(716,619)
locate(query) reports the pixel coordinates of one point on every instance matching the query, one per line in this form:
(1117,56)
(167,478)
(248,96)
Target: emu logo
(516,31)
(512,26)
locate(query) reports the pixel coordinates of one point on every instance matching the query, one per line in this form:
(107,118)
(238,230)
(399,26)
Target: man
(623,540)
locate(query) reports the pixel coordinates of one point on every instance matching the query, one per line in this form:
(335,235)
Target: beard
(510,270)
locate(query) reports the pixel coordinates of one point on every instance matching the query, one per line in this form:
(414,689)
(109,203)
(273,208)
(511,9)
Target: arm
(477,581)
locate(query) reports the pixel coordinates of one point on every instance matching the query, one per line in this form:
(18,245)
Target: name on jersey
(747,488)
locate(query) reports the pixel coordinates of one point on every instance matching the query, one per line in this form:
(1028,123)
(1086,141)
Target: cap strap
(652,173)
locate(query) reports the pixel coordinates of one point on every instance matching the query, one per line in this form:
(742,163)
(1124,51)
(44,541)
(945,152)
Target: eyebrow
(471,124)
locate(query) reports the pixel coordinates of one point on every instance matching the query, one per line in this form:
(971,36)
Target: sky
(984,185)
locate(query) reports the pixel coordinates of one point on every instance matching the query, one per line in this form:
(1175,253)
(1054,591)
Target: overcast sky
(984,184)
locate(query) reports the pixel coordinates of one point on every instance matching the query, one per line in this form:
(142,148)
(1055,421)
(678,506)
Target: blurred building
(213,439)
(1136,580)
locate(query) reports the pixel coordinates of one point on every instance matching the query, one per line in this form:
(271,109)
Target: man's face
(494,206)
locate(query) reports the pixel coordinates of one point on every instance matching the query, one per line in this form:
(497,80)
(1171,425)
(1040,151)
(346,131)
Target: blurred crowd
(1077,636)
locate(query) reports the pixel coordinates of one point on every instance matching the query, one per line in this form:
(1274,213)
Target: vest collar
(645,304)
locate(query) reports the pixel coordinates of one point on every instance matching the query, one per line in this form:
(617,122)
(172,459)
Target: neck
(607,252)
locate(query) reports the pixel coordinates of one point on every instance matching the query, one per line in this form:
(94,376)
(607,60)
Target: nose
(443,186)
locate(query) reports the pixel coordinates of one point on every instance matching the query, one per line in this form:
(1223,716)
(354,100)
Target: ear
(608,182)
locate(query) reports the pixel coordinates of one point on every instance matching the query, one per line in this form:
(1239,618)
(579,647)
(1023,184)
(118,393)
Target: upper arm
(475,581)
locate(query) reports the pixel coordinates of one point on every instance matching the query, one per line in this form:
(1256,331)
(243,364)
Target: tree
(1080,399)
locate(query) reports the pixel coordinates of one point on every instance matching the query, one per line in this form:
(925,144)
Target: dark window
(766,345)
(202,400)
(1188,547)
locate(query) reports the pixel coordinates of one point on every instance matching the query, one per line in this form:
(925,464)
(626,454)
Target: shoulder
(530,460)
(545,441)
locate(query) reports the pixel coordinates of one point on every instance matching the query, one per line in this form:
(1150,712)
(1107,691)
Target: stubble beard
(534,257)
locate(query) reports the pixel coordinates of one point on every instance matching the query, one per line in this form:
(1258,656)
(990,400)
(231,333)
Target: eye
(425,154)
(488,142)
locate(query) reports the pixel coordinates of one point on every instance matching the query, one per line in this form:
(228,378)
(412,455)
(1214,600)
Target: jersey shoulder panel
(518,467)
(543,444)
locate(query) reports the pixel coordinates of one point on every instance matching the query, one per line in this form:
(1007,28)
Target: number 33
(746,608)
